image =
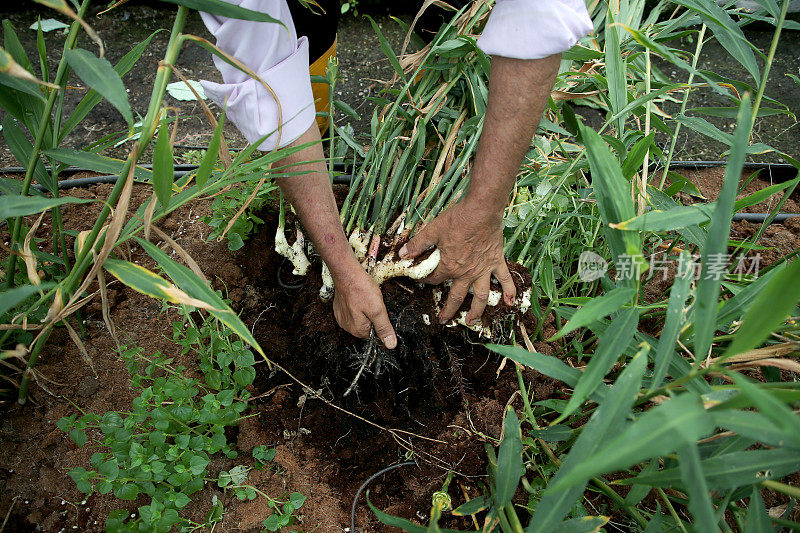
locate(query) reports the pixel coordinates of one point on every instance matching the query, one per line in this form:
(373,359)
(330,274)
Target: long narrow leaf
(596,309)
(99,75)
(15,206)
(693,479)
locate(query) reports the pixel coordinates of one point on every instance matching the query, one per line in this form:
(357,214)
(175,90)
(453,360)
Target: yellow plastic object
(320,90)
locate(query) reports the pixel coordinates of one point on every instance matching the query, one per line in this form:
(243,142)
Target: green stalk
(770,57)
(44,122)
(674,140)
(149,124)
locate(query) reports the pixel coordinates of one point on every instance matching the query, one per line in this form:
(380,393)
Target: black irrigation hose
(287,286)
(364,485)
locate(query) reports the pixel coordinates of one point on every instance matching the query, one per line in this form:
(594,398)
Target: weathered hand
(358,306)
(470,240)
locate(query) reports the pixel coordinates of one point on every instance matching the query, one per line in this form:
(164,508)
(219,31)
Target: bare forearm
(518,92)
(312,198)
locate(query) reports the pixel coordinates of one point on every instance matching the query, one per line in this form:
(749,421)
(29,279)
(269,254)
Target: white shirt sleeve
(533,29)
(279,58)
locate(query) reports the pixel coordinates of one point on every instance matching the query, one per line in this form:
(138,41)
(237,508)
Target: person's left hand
(470,239)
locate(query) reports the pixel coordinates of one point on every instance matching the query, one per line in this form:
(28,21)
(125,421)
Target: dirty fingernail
(390,341)
(403,252)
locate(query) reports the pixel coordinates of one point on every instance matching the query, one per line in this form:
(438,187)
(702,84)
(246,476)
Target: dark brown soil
(439,384)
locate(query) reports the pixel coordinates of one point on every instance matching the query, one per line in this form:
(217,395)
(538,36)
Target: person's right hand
(358,306)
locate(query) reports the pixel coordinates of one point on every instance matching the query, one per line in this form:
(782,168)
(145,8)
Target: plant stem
(783,488)
(44,122)
(83,260)
(671,509)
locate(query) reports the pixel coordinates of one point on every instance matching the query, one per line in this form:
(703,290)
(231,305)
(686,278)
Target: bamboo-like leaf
(584,524)
(95,162)
(11,207)
(22,149)
(595,309)
(149,283)
(780,414)
(387,50)
(100,76)
(727,32)
(635,158)
(163,166)
(210,157)
(611,345)
(226,9)
(659,431)
(752,425)
(197,289)
(676,218)
(770,308)
(693,479)
(615,73)
(11,298)
(757,520)
(673,322)
(509,461)
(402,523)
(708,286)
(345,108)
(607,421)
(12,68)
(613,200)
(62,7)
(93,98)
(545,364)
(731,470)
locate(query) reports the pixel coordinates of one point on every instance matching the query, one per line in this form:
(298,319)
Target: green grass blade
(509,461)
(693,479)
(757,521)
(163,166)
(771,307)
(387,50)
(659,431)
(777,411)
(673,322)
(615,73)
(211,155)
(99,75)
(708,286)
(611,345)
(95,162)
(226,9)
(596,309)
(11,298)
(752,425)
(15,206)
(731,470)
(606,421)
(198,289)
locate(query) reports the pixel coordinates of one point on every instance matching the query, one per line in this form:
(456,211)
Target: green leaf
(140,279)
(676,218)
(128,491)
(665,350)
(196,288)
(780,414)
(22,149)
(635,159)
(708,286)
(546,364)
(346,109)
(769,310)
(611,345)
(727,32)
(405,525)
(211,155)
(613,199)
(731,470)
(509,461)
(757,520)
(95,162)
(753,425)
(163,166)
(474,506)
(615,72)
(100,76)
(584,524)
(657,432)
(11,298)
(226,9)
(597,308)
(693,479)
(11,207)
(387,50)
(78,437)
(606,422)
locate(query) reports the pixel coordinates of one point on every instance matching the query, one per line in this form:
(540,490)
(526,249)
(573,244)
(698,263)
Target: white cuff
(253,109)
(533,29)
